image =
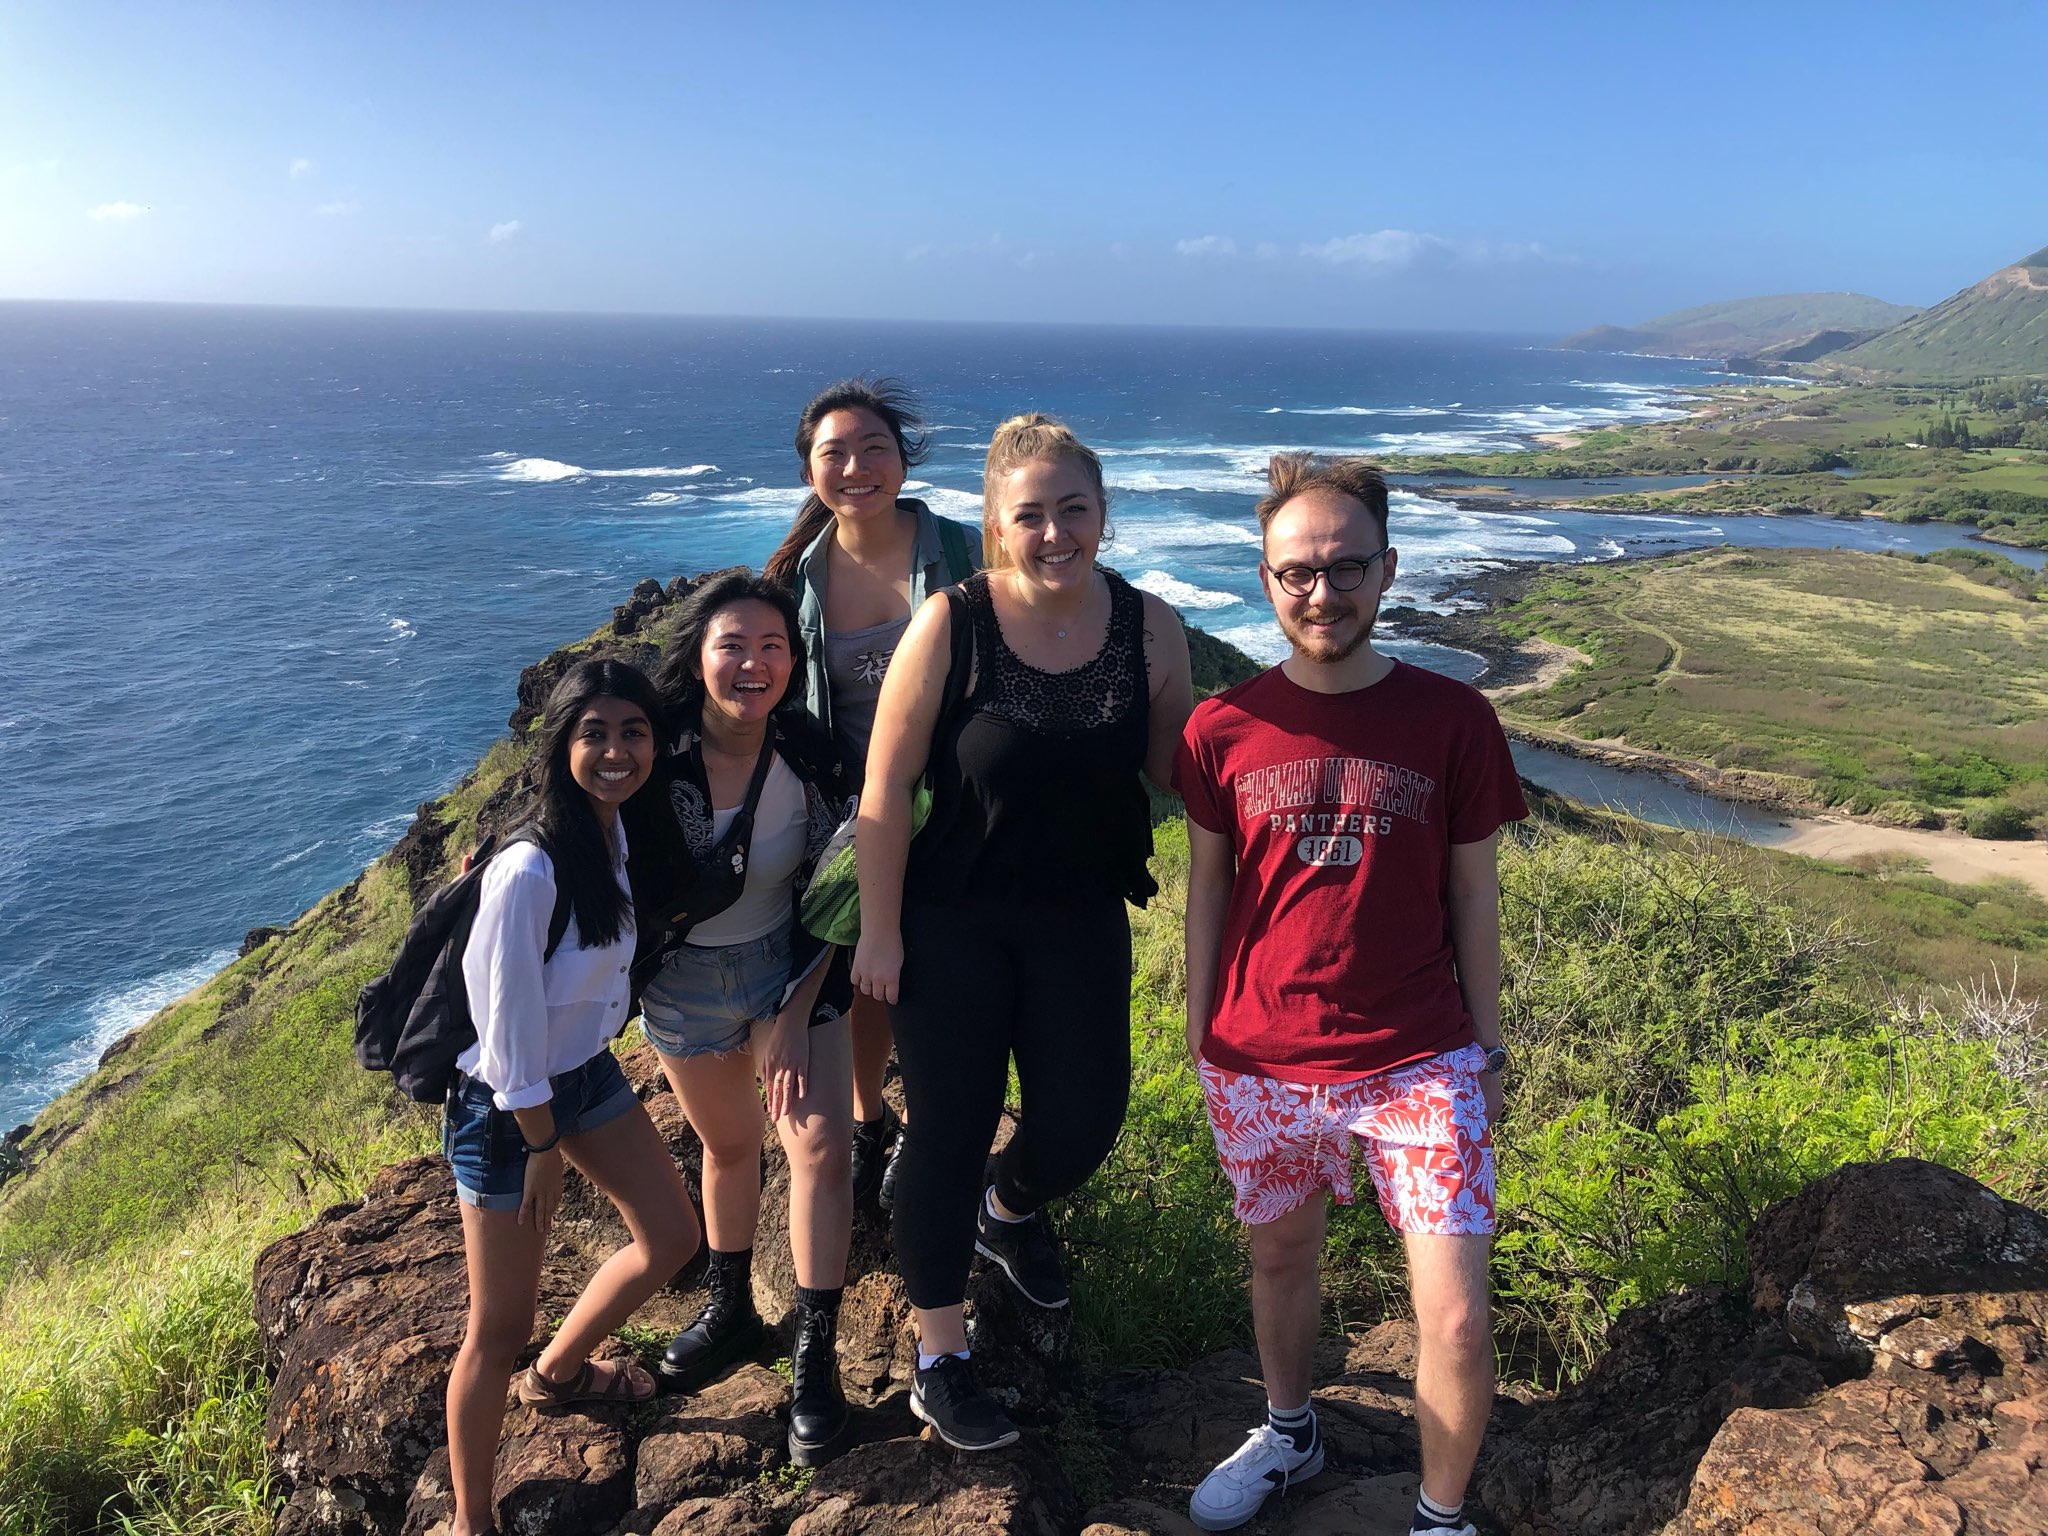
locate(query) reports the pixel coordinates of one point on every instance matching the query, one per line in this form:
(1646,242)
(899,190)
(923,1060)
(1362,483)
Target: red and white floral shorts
(1423,1129)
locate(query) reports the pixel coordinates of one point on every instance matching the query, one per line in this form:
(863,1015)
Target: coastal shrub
(2001,819)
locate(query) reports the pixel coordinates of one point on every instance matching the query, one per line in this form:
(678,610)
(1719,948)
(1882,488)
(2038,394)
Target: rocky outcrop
(361,1313)
(1886,1372)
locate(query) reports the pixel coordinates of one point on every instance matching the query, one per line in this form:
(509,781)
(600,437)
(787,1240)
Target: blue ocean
(268,576)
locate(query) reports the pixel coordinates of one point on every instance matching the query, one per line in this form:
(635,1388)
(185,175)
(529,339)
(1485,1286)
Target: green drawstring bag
(831,906)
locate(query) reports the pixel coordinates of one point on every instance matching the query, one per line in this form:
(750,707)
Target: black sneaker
(725,1331)
(872,1140)
(1026,1253)
(948,1398)
(818,1417)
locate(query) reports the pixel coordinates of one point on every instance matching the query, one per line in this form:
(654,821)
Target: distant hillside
(1998,326)
(1747,327)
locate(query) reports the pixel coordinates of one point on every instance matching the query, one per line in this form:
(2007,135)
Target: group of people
(985,711)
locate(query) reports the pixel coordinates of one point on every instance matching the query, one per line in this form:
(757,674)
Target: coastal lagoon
(270,575)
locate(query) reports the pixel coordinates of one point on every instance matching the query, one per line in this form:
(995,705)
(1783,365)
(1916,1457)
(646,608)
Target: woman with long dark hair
(860,558)
(752,790)
(1001,932)
(541,1086)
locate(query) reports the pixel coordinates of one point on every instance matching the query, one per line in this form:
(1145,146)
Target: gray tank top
(856,661)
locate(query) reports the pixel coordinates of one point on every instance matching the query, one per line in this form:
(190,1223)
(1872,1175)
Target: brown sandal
(621,1385)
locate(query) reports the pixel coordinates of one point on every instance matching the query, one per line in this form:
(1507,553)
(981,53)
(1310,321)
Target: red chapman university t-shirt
(1342,809)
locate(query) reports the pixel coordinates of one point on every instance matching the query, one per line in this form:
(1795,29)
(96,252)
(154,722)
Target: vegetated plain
(1695,1036)
(1912,689)
(1975,455)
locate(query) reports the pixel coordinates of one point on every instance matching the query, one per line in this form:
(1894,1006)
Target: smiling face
(1049,521)
(611,752)
(745,661)
(1320,528)
(854,464)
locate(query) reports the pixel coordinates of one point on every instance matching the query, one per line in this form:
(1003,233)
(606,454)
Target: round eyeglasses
(1344,576)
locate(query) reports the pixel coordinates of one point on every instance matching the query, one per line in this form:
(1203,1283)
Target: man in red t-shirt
(1343,950)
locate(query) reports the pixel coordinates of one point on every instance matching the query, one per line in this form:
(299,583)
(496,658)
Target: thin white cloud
(117,213)
(1381,248)
(1392,250)
(299,169)
(500,233)
(1206,246)
(337,210)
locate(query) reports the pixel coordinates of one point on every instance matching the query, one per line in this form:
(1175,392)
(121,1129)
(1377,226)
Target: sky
(1456,166)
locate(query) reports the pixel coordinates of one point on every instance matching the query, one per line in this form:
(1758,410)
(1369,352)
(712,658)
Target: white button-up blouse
(533,1020)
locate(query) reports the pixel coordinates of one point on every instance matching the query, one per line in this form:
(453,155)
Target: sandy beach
(1950,856)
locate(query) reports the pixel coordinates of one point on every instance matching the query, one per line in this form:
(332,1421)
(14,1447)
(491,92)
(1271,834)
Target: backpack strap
(558,919)
(959,558)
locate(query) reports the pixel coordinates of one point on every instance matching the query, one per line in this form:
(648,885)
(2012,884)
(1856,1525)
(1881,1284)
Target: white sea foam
(401,629)
(1183,594)
(1358,410)
(538,471)
(116,1012)
(1183,532)
(779,500)
(659,499)
(1262,642)
(1220,481)
(945,500)
(548,471)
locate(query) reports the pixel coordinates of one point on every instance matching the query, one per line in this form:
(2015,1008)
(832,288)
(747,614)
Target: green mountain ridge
(1998,326)
(1744,326)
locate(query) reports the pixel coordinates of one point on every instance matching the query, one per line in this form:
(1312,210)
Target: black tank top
(1036,795)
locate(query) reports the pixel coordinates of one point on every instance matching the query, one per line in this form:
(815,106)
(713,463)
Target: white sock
(988,1203)
(925,1362)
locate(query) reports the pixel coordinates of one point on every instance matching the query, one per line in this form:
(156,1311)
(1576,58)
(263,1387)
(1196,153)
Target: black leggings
(982,982)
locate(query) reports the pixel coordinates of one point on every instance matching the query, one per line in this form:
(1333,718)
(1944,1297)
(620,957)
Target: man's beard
(1321,650)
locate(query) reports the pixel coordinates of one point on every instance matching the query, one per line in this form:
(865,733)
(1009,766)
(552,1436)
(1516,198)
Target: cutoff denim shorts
(707,997)
(483,1144)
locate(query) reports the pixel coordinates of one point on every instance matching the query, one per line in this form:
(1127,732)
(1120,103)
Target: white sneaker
(1266,1463)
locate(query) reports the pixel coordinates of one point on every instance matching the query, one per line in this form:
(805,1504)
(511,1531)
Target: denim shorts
(707,997)
(483,1144)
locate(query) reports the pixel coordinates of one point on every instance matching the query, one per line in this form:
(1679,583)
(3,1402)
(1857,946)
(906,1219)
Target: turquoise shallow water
(268,576)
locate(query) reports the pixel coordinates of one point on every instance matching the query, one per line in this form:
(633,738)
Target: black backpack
(414,1020)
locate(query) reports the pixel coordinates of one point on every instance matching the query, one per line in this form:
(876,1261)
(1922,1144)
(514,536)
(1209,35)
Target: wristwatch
(1496,1058)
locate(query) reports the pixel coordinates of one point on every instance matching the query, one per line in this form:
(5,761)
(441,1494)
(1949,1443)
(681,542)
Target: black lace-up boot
(872,1144)
(818,1417)
(728,1328)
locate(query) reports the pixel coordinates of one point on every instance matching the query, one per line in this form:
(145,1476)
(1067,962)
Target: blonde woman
(1001,934)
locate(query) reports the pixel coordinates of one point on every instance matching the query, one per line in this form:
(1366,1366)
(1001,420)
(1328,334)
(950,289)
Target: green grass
(132,1392)
(1832,677)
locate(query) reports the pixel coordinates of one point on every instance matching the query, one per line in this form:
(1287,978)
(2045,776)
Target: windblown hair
(1028,439)
(891,401)
(569,828)
(677,683)
(1296,474)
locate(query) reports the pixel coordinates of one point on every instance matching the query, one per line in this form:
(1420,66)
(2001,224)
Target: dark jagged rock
(1887,1372)
(361,1313)
(908,1487)
(1821,1271)
(557,1472)
(422,851)
(255,939)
